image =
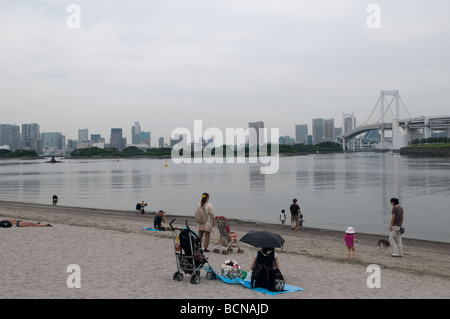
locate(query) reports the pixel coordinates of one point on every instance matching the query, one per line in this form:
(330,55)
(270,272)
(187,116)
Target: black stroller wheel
(178,276)
(210,275)
(195,279)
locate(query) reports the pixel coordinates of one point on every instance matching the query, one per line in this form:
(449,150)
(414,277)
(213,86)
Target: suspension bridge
(403,130)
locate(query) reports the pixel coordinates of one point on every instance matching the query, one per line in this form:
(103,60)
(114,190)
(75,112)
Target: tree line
(130,151)
(133,151)
(18,153)
(430,140)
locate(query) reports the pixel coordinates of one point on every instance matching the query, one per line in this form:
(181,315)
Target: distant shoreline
(133,215)
(166,152)
(426,150)
(22,158)
(152,156)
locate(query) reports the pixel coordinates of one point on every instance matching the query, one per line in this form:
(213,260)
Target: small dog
(382,243)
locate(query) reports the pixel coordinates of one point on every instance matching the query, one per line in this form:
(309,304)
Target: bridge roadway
(432,122)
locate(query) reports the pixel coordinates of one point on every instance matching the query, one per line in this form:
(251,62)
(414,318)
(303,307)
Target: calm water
(334,191)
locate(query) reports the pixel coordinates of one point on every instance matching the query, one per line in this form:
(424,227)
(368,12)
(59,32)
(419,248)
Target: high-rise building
(301,134)
(53,140)
(31,137)
(146,138)
(30,132)
(83,135)
(72,144)
(116,140)
(255,140)
(136,137)
(286,140)
(338,133)
(318,131)
(97,138)
(174,141)
(329,130)
(161,142)
(10,136)
(349,122)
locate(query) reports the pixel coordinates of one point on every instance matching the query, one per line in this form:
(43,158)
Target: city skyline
(227,63)
(12,134)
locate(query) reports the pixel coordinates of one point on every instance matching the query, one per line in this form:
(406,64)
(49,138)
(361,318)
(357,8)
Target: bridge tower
(396,95)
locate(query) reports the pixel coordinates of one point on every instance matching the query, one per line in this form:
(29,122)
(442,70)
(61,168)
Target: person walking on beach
(300,221)
(350,242)
(395,237)
(295,213)
(283,217)
(206,227)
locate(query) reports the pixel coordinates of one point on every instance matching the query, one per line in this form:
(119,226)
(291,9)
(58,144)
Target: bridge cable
(405,107)
(375,107)
(389,107)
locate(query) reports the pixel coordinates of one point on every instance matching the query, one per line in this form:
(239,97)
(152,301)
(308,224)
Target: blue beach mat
(150,228)
(246,283)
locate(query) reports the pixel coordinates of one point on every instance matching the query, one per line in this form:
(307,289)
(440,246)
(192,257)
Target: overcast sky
(166,63)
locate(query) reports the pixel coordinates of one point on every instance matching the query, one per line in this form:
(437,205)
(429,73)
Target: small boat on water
(53,160)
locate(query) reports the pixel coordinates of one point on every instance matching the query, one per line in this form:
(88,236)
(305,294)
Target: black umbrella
(262,238)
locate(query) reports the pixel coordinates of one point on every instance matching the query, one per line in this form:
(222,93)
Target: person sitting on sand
(266,256)
(160,218)
(264,265)
(21,223)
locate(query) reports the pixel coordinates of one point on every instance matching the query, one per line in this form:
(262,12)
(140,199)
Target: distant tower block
(348,122)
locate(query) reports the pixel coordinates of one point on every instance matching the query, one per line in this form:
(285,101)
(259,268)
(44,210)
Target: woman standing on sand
(206,228)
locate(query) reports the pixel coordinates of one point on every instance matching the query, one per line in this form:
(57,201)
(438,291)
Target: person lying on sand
(21,223)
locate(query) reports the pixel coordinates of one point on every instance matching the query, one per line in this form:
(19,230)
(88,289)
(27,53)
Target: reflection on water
(334,191)
(257,181)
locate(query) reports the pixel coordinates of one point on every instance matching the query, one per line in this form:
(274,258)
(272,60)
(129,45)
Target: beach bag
(138,206)
(200,215)
(5,224)
(278,280)
(230,269)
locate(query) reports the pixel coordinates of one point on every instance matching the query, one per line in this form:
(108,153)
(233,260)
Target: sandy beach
(117,259)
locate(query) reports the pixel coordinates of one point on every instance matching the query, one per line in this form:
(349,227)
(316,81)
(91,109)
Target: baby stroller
(189,255)
(227,239)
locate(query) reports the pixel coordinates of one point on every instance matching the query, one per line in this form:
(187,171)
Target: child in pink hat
(350,241)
